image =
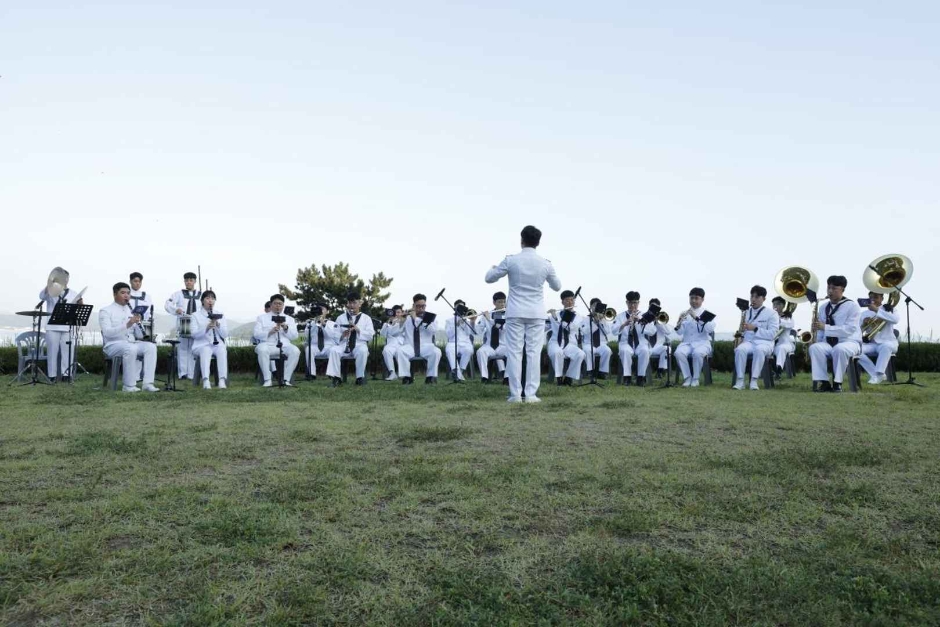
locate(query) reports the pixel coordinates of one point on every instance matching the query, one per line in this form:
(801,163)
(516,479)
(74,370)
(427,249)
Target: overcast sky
(657,147)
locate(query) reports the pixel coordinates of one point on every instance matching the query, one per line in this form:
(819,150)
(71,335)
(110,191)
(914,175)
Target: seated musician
(784,344)
(562,344)
(210,331)
(465,332)
(883,344)
(490,327)
(418,331)
(633,332)
(121,333)
(321,339)
(354,331)
(760,329)
(837,336)
(274,339)
(695,328)
(596,332)
(393,332)
(659,343)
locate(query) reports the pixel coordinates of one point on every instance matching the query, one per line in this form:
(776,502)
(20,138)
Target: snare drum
(184,326)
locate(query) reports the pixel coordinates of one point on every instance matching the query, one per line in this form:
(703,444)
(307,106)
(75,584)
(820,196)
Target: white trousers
(389,353)
(464,351)
(483,358)
(129,351)
(603,351)
(558,354)
(699,351)
(660,352)
(185,360)
(841,354)
(360,352)
(781,351)
(527,334)
(428,351)
(758,352)
(291,356)
(58,350)
(883,351)
(642,353)
(316,354)
(207,352)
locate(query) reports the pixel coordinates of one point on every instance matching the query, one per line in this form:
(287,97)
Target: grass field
(445,505)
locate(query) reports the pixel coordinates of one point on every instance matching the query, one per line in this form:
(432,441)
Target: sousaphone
(885,275)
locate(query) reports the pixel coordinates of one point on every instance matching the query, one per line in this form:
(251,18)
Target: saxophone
(811,339)
(739,335)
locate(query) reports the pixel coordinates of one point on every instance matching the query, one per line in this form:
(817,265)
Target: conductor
(525,312)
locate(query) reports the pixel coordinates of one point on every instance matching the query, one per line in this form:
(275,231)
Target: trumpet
(662,317)
(609,314)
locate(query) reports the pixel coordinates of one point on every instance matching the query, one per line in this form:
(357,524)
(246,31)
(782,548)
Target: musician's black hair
(267,305)
(759,290)
(838,280)
(418,297)
(655,300)
(350,296)
(697,291)
(778,299)
(208,293)
(631,296)
(531,237)
(567,294)
(459,302)
(275,297)
(396,307)
(189,275)
(136,275)
(594,300)
(499,296)
(120,286)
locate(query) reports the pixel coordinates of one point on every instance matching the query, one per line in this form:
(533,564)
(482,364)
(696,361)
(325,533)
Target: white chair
(26,352)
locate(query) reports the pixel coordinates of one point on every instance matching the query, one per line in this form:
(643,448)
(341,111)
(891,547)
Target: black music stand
(170,384)
(34,366)
(594,370)
(74,316)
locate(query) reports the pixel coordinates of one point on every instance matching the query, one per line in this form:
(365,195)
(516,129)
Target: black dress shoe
(641,382)
(505,380)
(569,381)
(559,380)
(182,378)
(335,382)
(407,380)
(602,375)
(360,381)
(312,377)
(484,381)
(660,373)
(836,387)
(822,386)
(428,380)
(627,380)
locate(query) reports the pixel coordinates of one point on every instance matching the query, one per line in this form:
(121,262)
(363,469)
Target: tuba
(57,282)
(797,284)
(885,275)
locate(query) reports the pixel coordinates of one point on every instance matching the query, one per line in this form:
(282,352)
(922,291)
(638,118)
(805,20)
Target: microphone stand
(593,380)
(280,349)
(375,345)
(910,355)
(309,356)
(35,365)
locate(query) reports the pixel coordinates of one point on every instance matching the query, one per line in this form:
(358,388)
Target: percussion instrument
(184,327)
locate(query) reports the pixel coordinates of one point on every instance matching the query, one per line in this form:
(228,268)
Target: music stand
(170,385)
(74,316)
(34,366)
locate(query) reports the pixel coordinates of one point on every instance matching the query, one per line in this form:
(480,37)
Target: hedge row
(926,358)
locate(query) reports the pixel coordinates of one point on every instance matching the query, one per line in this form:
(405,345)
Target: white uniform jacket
(527,271)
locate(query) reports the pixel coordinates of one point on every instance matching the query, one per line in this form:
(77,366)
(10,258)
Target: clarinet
(215,336)
(351,341)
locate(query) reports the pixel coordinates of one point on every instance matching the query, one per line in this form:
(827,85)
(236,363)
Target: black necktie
(596,337)
(416,337)
(562,336)
(830,320)
(191,305)
(494,336)
(319,338)
(634,339)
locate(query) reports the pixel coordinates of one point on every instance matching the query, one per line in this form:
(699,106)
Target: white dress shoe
(128,388)
(222,384)
(206,385)
(150,387)
(695,383)
(532,399)
(267,384)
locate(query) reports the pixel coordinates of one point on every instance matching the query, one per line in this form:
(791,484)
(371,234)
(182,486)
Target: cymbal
(33,313)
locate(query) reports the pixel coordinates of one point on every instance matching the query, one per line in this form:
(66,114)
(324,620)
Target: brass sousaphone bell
(57,282)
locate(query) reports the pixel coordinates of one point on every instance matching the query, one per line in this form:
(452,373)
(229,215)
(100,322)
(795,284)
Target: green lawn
(445,505)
